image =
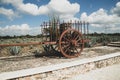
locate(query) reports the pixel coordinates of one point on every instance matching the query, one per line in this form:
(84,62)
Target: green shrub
(15,50)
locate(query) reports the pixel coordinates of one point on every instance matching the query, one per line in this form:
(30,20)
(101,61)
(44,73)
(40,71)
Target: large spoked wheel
(71,43)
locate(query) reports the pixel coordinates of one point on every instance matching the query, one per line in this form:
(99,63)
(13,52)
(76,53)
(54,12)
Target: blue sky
(20,17)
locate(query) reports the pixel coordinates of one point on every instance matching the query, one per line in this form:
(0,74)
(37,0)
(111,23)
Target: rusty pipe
(26,44)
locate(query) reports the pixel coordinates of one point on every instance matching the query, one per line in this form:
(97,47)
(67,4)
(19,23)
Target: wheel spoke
(76,49)
(67,49)
(72,45)
(77,37)
(70,53)
(66,40)
(73,34)
(65,46)
(68,37)
(79,45)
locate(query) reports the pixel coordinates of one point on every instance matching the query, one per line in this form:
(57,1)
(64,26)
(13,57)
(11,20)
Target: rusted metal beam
(26,44)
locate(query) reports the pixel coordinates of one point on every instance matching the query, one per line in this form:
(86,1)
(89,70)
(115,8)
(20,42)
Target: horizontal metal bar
(54,42)
(34,43)
(86,40)
(26,44)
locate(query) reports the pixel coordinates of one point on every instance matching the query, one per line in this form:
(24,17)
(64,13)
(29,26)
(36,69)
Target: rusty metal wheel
(71,43)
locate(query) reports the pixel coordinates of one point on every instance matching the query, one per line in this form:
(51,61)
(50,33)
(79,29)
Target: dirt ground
(18,63)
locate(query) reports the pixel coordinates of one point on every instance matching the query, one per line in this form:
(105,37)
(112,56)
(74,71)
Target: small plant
(92,42)
(47,48)
(37,53)
(15,50)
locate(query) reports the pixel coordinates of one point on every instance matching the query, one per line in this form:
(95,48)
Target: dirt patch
(12,64)
(102,50)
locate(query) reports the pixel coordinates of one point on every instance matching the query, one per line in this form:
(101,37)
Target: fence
(52,30)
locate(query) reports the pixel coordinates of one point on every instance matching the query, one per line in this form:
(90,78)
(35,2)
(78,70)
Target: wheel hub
(73,42)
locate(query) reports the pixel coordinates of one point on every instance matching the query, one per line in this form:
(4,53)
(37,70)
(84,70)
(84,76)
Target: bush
(15,50)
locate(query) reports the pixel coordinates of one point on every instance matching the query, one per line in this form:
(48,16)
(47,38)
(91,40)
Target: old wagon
(65,37)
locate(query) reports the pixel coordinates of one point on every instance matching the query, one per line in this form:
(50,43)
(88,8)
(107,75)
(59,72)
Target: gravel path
(13,64)
(107,73)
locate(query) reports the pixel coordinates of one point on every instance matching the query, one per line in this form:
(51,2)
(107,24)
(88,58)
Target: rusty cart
(65,37)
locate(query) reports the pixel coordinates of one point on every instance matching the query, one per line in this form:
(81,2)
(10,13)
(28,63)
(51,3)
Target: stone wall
(65,73)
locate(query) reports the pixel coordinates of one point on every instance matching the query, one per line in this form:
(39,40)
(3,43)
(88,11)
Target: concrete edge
(32,71)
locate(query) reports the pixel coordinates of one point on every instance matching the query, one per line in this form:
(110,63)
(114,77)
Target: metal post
(71,24)
(84,27)
(75,25)
(78,25)
(42,31)
(50,31)
(81,27)
(47,31)
(87,30)
(84,32)
(56,30)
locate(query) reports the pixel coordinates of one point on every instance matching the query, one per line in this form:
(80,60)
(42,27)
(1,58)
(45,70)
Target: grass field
(33,49)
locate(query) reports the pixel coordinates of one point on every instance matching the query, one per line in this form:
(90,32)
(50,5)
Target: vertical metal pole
(81,27)
(87,28)
(84,29)
(78,26)
(49,30)
(56,29)
(75,25)
(58,26)
(68,24)
(46,31)
(42,31)
(62,26)
(71,24)
(54,34)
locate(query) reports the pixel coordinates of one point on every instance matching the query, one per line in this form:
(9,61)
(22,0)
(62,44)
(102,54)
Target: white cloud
(62,8)
(101,19)
(13,2)
(100,16)
(66,10)
(32,9)
(116,10)
(7,12)
(22,29)
(14,30)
